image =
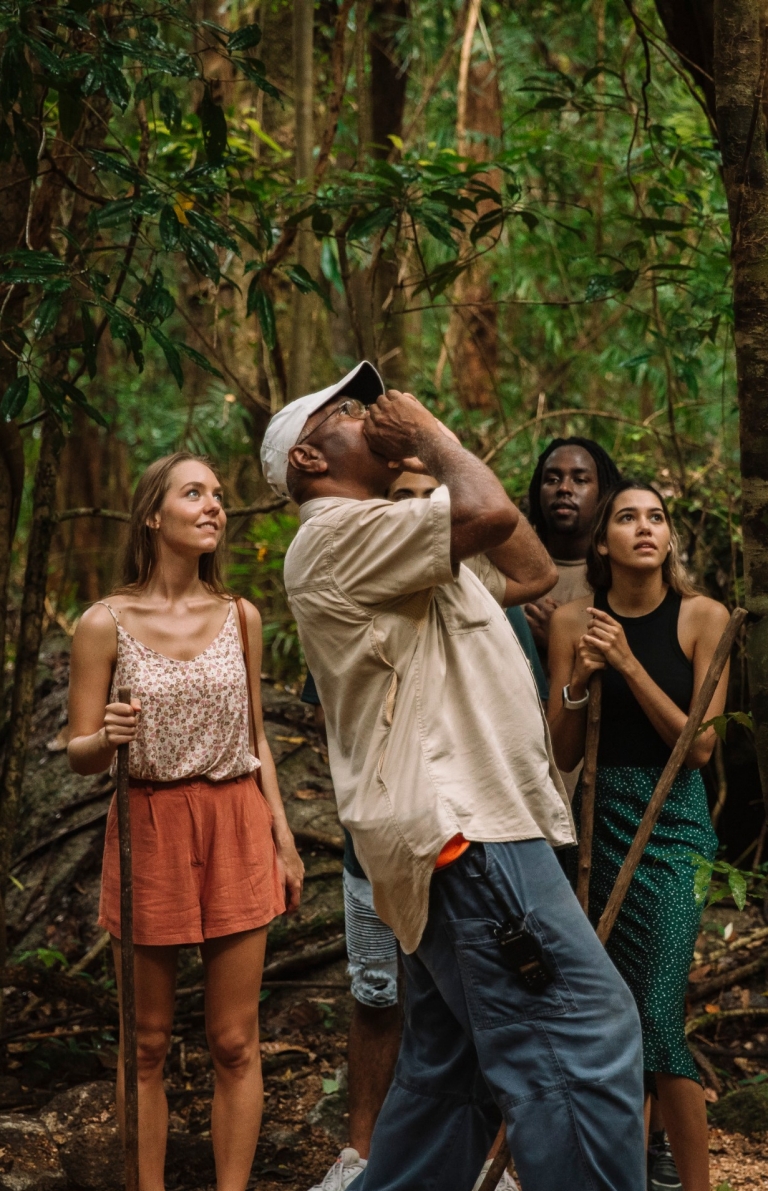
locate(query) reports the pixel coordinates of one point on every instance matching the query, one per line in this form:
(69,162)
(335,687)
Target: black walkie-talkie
(522,952)
(521,949)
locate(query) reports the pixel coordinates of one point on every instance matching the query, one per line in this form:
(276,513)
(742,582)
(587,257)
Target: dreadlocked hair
(608,475)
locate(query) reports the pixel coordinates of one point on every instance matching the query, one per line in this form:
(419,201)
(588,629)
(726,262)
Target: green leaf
(115,165)
(27,144)
(212,230)
(53,396)
(122,328)
(200,360)
(116,87)
(89,340)
(636,361)
(46,316)
(306,284)
(738,886)
(249,236)
(245,38)
(200,254)
(260,301)
(652,226)
(254,72)
(170,229)
(6,141)
(701,878)
(529,219)
(438,230)
(33,267)
(170,109)
(112,214)
(80,399)
(10,71)
(551,103)
(369,223)
(322,223)
(154,300)
(171,354)
(70,112)
(214,128)
(330,1086)
(604,285)
(14,398)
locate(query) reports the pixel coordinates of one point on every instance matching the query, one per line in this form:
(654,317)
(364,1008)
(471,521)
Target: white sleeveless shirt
(194,714)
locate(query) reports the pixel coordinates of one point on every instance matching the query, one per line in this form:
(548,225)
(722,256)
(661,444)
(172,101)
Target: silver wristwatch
(573,704)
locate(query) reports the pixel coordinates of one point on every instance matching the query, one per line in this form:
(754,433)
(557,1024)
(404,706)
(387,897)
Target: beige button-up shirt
(434,724)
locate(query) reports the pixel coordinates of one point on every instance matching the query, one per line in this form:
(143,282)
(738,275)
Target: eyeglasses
(350,408)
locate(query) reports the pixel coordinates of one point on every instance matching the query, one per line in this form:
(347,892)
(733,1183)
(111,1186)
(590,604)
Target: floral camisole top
(194,714)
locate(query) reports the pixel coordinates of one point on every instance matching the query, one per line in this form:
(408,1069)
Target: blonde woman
(213,857)
(652,636)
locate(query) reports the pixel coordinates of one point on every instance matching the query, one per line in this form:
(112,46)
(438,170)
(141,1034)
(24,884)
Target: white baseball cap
(284,429)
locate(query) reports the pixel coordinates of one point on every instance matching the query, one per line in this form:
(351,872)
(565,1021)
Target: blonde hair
(140,557)
(673,571)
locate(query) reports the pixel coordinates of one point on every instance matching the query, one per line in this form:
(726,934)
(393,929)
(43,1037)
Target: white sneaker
(506,1183)
(347,1167)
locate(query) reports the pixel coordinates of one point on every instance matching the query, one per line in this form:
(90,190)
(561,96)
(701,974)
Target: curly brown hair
(673,571)
(140,557)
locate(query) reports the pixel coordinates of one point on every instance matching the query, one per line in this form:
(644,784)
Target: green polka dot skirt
(655,933)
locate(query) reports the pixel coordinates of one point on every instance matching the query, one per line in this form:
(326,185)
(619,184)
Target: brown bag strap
(247,660)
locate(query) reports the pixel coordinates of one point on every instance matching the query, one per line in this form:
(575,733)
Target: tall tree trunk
(740,66)
(94,474)
(46,216)
(723,44)
(15,187)
(11,487)
(377,292)
(472,338)
(28,647)
(303,305)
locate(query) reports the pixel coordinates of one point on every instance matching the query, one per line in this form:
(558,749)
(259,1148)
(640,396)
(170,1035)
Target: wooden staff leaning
(128,983)
(643,833)
(588,779)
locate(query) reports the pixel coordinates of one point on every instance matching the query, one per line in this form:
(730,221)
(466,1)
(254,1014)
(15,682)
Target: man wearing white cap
(444,776)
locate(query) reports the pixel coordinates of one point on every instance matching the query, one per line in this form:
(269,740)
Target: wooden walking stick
(130,1060)
(644,831)
(588,776)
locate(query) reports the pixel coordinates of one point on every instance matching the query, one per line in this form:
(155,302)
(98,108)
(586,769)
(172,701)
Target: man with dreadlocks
(571,476)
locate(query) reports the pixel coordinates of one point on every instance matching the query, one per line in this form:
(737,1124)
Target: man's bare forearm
(482,515)
(530,571)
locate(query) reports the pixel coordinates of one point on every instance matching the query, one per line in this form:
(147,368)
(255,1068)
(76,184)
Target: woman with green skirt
(652,636)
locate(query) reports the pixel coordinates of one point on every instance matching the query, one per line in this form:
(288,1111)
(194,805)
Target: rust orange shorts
(204,863)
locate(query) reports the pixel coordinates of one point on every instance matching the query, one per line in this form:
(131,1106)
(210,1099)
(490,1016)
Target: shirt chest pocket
(461,611)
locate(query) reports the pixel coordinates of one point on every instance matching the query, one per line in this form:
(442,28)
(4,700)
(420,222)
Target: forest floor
(57,1127)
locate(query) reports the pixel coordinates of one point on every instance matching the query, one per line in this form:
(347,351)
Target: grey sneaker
(347,1167)
(506,1183)
(662,1172)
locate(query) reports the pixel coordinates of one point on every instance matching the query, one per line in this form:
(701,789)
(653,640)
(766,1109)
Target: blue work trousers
(563,1066)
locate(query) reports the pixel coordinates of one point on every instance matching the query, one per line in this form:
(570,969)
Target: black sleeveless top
(627,736)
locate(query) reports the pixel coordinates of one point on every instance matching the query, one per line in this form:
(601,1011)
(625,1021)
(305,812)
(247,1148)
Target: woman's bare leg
(685,1116)
(155,975)
(233,966)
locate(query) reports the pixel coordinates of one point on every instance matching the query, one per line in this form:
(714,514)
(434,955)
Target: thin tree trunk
(28,648)
(15,185)
(11,485)
(740,48)
(471,342)
(304,305)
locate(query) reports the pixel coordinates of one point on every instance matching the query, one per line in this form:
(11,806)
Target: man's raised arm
(482,515)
